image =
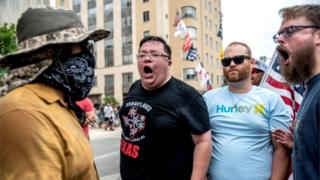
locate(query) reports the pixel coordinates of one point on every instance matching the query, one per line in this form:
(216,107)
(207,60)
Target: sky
(254,22)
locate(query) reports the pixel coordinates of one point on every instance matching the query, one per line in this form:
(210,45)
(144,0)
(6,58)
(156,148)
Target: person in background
(258,71)
(108,116)
(165,125)
(40,123)
(87,106)
(242,117)
(298,42)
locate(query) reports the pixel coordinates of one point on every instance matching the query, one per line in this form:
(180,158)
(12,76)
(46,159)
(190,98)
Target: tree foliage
(111,100)
(7,42)
(7,39)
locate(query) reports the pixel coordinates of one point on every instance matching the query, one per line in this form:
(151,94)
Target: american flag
(290,94)
(192,54)
(203,76)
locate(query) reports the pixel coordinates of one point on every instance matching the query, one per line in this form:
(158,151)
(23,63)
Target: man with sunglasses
(40,122)
(242,117)
(165,124)
(258,71)
(299,48)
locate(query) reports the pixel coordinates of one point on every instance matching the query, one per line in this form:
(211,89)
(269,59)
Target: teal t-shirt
(241,126)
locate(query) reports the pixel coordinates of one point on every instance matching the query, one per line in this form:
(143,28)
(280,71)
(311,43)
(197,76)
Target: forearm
(280,163)
(201,160)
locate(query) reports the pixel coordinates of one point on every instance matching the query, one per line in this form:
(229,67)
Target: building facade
(131,20)
(10,10)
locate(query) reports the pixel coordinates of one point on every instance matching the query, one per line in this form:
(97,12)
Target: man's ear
(317,36)
(169,62)
(252,62)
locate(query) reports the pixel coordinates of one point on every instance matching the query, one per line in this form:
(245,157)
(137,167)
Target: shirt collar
(47,93)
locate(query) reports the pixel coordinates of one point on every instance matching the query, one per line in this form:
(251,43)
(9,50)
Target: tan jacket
(40,138)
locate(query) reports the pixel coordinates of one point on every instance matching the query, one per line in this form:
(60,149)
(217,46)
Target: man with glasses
(299,48)
(165,124)
(258,71)
(242,117)
(40,122)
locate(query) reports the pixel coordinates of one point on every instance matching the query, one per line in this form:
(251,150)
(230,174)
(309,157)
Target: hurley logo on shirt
(257,108)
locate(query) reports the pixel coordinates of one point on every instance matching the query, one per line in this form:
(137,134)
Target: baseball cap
(261,65)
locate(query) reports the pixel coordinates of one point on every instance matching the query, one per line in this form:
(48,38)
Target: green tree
(7,39)
(7,42)
(111,100)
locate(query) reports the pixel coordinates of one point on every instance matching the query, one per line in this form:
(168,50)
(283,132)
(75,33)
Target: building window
(94,81)
(127,79)
(189,12)
(192,31)
(206,21)
(146,16)
(76,6)
(145,1)
(146,33)
(109,85)
(206,39)
(207,58)
(189,74)
(108,57)
(127,59)
(126,32)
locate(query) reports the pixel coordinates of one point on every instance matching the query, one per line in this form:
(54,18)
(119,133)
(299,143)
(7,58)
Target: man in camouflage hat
(41,136)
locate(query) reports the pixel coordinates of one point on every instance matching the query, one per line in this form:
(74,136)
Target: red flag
(187,43)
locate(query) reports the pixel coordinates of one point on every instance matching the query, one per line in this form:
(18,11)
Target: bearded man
(242,118)
(299,47)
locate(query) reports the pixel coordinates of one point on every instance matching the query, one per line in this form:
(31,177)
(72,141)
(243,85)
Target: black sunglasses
(236,59)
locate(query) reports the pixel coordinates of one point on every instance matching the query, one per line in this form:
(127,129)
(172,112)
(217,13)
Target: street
(106,145)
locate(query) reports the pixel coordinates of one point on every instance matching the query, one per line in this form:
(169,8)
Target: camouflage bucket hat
(39,30)
(40,34)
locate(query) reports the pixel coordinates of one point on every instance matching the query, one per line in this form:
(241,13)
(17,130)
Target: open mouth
(283,55)
(147,70)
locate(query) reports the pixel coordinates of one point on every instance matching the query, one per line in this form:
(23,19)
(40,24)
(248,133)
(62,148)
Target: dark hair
(310,11)
(167,48)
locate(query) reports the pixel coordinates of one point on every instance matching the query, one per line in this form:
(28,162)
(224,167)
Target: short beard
(243,74)
(301,65)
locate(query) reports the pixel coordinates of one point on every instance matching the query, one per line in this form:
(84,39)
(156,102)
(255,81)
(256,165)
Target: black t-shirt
(156,125)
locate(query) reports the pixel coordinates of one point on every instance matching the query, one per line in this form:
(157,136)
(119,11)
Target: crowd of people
(108,117)
(169,130)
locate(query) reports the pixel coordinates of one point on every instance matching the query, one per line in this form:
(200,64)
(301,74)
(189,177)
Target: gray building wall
(10,10)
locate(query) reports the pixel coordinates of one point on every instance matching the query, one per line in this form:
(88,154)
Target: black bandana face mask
(79,72)
(73,75)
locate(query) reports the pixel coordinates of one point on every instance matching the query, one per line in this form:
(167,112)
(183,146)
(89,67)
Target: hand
(284,137)
(90,118)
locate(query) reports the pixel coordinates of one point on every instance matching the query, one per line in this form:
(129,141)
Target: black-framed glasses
(290,30)
(236,59)
(153,55)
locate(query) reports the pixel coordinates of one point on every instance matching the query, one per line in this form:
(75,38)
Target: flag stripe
(278,84)
(273,80)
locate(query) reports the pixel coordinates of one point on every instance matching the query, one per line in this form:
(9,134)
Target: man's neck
(243,86)
(316,69)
